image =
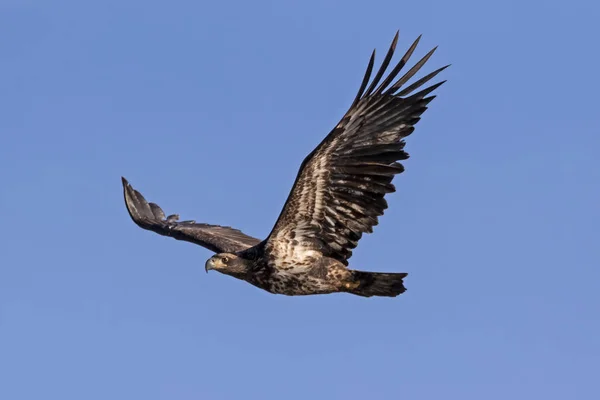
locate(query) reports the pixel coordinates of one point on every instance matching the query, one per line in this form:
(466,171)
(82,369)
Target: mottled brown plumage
(338,195)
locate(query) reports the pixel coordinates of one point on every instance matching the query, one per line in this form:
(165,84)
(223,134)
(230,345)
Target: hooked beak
(210,264)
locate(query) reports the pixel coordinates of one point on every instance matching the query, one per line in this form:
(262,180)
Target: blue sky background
(208,109)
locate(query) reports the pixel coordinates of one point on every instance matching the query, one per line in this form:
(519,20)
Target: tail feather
(378,284)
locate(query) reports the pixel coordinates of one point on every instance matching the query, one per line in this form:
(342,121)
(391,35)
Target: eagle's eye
(225,260)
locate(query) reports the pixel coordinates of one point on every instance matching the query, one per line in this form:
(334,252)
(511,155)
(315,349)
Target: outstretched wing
(339,191)
(214,237)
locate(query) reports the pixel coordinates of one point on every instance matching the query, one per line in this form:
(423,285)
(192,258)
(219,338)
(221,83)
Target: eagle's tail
(369,284)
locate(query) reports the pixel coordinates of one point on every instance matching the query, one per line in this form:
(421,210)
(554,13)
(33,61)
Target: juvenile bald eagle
(337,196)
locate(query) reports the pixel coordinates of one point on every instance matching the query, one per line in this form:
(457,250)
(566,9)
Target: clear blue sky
(208,109)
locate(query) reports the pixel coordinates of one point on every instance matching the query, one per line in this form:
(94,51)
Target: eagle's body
(338,195)
(316,274)
(302,279)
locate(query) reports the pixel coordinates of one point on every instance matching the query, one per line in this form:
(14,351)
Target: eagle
(338,195)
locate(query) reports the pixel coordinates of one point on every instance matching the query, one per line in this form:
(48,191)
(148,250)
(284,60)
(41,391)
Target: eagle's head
(227,263)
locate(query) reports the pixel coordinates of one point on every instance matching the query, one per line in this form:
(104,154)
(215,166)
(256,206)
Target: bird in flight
(338,195)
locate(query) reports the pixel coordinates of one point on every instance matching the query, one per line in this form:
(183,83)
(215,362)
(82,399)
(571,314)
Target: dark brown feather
(213,237)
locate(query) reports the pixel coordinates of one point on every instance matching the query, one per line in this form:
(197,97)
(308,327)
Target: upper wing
(150,216)
(339,191)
